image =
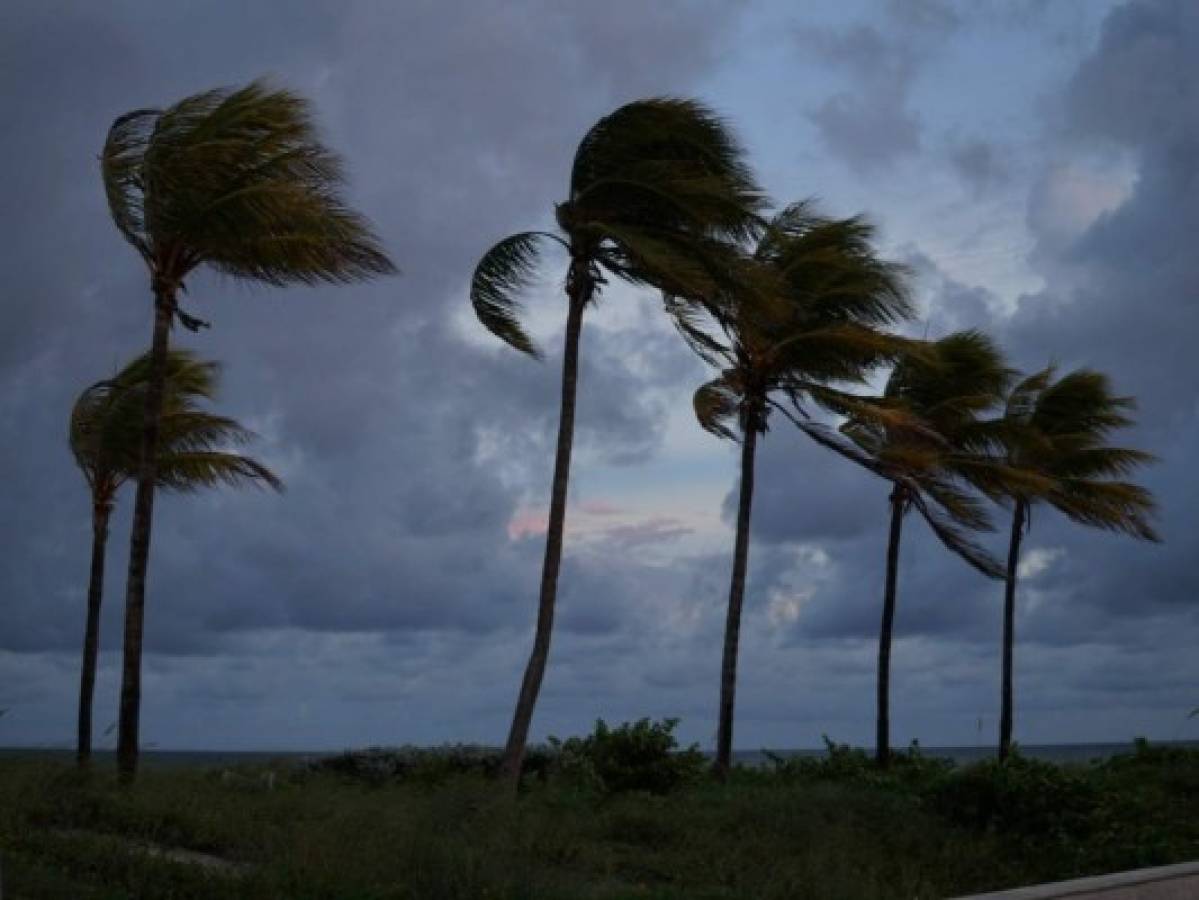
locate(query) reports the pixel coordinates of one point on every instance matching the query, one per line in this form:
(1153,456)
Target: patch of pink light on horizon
(599,508)
(532,522)
(527,523)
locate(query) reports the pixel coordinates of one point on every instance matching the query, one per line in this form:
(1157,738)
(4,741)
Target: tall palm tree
(1058,429)
(653,185)
(105,437)
(933,450)
(804,316)
(238,181)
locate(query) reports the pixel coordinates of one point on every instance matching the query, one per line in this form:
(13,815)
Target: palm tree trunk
(732,625)
(579,290)
(91,632)
(139,541)
(882,744)
(1009,630)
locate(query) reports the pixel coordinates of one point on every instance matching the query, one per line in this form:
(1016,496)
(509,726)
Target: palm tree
(809,318)
(933,448)
(1058,429)
(105,436)
(238,181)
(652,186)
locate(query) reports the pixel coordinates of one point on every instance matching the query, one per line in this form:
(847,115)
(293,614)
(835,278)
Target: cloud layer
(388,595)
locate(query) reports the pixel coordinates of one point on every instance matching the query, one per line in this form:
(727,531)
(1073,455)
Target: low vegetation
(619,813)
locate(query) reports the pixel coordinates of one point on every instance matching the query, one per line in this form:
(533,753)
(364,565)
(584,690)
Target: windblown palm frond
(954,537)
(717,407)
(504,271)
(191,470)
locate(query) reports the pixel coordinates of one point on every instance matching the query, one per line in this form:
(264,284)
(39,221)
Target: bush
(908,769)
(638,756)
(1176,768)
(1019,796)
(376,765)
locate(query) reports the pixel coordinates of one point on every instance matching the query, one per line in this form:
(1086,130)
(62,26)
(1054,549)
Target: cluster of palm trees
(793,309)
(239,182)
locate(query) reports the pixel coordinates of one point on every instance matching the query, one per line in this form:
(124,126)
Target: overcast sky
(1036,163)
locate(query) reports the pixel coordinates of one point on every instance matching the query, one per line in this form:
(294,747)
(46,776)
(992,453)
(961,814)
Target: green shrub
(378,765)
(1019,796)
(638,756)
(909,769)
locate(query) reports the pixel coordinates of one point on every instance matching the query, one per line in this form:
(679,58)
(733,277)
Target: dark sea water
(1060,753)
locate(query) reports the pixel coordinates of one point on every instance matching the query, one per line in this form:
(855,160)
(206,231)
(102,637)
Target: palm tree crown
(927,435)
(237,180)
(654,188)
(801,314)
(106,423)
(1059,429)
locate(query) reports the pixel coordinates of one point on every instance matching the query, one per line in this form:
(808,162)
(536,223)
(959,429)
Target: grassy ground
(820,829)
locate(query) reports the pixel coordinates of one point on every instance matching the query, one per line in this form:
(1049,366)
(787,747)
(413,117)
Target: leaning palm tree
(238,181)
(654,189)
(803,316)
(934,449)
(1058,429)
(105,437)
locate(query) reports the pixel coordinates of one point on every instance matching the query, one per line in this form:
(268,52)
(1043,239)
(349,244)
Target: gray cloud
(980,163)
(381,598)
(871,125)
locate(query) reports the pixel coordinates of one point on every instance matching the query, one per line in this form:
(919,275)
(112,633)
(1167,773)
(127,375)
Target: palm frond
(963,507)
(1109,505)
(189,377)
(832,440)
(190,471)
(506,270)
(957,539)
(121,172)
(1022,401)
(687,320)
(717,408)
(666,261)
(1081,401)
(997,477)
(188,430)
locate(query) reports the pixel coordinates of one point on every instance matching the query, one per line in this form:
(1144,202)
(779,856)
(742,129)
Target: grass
(831,828)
